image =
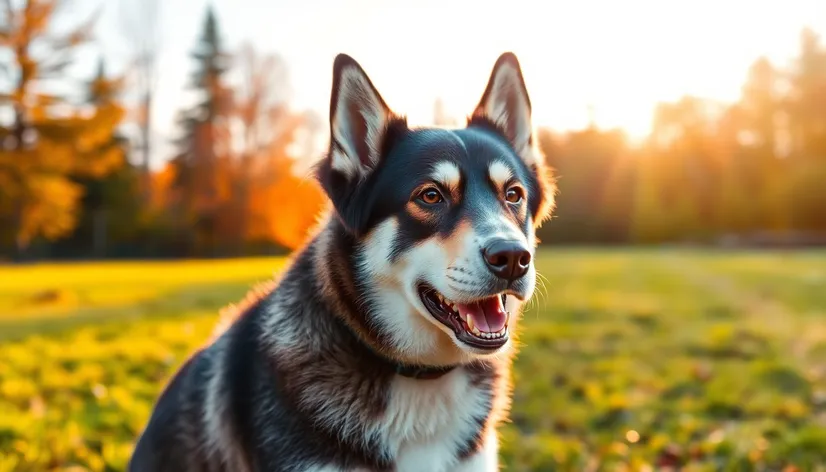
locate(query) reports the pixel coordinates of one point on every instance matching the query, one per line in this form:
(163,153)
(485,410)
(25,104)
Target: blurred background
(156,159)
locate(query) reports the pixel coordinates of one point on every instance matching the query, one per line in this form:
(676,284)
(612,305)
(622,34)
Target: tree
(807,102)
(274,202)
(204,144)
(284,202)
(756,170)
(49,141)
(141,25)
(807,116)
(108,204)
(260,107)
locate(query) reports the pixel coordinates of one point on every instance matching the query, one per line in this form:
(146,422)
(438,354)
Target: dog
(386,344)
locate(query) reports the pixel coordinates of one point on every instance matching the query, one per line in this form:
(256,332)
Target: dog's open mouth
(482,323)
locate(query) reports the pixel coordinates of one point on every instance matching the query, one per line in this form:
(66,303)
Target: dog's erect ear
(506,105)
(358,120)
(361,129)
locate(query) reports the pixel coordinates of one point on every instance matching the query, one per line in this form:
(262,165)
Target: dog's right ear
(358,120)
(359,123)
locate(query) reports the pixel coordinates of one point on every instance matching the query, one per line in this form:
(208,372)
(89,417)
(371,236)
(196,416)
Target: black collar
(422,371)
(412,371)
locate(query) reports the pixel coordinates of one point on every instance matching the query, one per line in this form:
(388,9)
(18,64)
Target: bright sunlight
(610,60)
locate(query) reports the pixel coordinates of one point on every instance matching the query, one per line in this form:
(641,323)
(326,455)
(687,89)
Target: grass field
(632,359)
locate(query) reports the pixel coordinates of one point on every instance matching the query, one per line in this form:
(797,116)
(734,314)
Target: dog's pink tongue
(488,314)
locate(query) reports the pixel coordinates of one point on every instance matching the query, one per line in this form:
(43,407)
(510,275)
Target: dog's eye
(430,196)
(514,195)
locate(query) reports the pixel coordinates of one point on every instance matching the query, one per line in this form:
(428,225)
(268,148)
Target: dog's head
(443,220)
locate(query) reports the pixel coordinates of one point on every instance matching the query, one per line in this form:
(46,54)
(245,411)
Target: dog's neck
(322,274)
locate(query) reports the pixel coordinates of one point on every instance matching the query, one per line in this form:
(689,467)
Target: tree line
(749,172)
(76,180)
(75,174)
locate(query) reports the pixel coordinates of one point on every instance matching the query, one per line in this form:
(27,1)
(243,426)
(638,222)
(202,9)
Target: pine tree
(203,142)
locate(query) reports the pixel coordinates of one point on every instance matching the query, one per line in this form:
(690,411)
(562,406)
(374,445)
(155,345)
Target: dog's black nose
(507,259)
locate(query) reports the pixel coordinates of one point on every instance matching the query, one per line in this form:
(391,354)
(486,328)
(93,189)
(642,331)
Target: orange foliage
(285,210)
(161,187)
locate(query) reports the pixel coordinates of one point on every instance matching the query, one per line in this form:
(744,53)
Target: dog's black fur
(337,366)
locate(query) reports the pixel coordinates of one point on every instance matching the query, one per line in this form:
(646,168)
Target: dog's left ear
(506,105)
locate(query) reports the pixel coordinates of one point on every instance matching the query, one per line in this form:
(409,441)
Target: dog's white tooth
(470,326)
(475,329)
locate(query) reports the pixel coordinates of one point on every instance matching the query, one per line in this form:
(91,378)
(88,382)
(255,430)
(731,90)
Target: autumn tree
(260,107)
(275,201)
(755,171)
(50,142)
(109,206)
(585,163)
(807,117)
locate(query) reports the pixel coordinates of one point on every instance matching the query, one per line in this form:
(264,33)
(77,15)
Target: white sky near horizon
(619,57)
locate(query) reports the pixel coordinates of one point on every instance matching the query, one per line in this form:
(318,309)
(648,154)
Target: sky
(620,58)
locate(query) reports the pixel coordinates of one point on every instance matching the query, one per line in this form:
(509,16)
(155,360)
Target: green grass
(631,359)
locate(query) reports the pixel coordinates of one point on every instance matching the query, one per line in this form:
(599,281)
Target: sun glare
(609,63)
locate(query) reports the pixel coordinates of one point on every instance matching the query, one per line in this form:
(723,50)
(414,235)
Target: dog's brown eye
(514,195)
(430,196)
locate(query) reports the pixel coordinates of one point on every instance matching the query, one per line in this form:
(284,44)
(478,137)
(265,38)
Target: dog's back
(206,402)
(171,439)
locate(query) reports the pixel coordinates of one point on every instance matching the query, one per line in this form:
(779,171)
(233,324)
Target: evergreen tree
(203,142)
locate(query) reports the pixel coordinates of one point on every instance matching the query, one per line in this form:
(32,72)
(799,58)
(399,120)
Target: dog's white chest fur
(428,421)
